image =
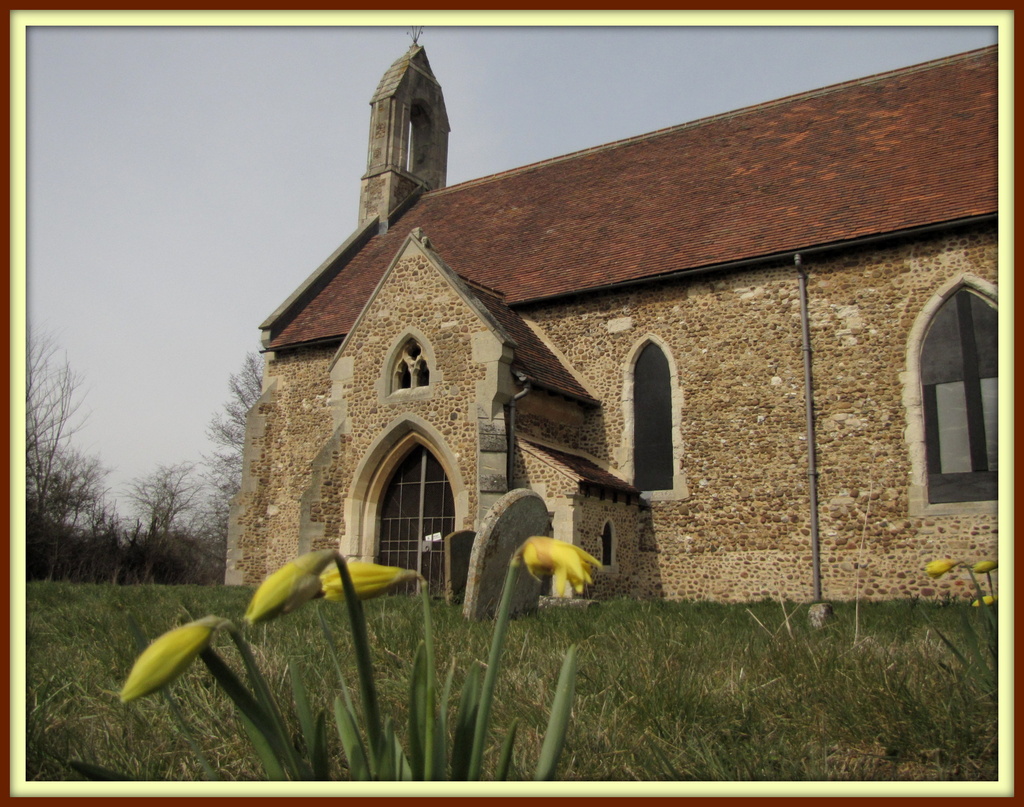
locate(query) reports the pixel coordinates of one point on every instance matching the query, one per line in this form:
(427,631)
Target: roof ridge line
(874,77)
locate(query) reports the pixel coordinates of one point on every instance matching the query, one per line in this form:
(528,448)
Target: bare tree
(227,428)
(52,402)
(168,499)
(64,487)
(173,540)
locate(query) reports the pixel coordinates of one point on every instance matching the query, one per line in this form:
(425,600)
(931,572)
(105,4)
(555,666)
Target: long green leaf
(465,724)
(269,758)
(505,757)
(418,713)
(558,722)
(98,773)
(313,730)
(441,728)
(351,742)
(318,755)
(430,687)
(302,710)
(483,717)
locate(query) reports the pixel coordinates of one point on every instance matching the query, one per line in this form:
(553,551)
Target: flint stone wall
(742,531)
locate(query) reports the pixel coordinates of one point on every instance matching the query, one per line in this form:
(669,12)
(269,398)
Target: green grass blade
(179,719)
(558,722)
(239,694)
(172,704)
(282,743)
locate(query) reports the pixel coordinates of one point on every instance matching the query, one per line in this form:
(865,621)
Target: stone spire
(408,137)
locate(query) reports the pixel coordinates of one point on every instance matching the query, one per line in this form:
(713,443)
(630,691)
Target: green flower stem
(483,716)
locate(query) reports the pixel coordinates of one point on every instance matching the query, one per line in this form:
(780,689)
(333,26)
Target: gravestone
(457,548)
(511,520)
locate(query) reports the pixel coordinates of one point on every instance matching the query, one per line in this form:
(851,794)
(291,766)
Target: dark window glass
(606,545)
(652,421)
(960,380)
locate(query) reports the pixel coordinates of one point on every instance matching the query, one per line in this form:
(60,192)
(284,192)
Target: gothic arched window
(410,369)
(607,545)
(652,420)
(959,386)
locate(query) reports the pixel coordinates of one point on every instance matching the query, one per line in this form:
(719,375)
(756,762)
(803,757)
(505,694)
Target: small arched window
(410,370)
(652,420)
(607,545)
(419,139)
(960,392)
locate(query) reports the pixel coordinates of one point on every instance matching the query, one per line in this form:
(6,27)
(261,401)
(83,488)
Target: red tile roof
(882,154)
(532,357)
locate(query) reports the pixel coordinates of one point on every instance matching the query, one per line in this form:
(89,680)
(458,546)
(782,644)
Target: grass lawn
(689,691)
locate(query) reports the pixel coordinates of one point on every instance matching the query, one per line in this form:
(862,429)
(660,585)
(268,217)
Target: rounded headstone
(512,519)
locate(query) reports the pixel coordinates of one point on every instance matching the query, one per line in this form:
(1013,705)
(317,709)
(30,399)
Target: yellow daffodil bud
(567,562)
(369,579)
(989,600)
(985,566)
(292,585)
(168,656)
(937,568)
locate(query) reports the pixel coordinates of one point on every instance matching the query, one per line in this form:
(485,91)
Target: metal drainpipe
(511,453)
(812,469)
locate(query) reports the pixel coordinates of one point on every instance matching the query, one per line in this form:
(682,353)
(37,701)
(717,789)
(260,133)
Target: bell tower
(408,137)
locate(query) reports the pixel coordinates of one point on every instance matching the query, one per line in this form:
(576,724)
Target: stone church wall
(742,529)
(738,527)
(293,422)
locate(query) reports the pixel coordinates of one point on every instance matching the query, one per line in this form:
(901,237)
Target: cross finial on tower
(415,33)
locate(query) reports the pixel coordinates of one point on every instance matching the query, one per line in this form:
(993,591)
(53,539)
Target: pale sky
(183,181)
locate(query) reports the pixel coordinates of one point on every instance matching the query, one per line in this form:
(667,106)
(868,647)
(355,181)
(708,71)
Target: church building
(753,355)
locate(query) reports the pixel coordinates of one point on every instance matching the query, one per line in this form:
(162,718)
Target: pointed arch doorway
(417,511)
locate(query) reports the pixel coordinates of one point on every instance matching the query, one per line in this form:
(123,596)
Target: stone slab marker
(511,520)
(457,548)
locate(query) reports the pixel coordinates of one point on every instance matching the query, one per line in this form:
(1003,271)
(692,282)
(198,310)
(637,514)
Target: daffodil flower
(937,568)
(988,598)
(985,566)
(369,579)
(168,656)
(567,562)
(292,585)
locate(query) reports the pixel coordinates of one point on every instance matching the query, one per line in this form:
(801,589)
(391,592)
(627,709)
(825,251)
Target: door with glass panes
(417,512)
